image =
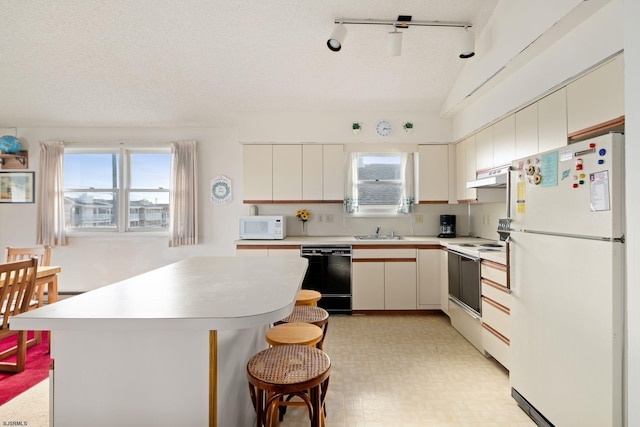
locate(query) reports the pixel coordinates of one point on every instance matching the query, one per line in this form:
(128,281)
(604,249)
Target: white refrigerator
(567,258)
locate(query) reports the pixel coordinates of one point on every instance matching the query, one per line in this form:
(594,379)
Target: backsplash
(330,220)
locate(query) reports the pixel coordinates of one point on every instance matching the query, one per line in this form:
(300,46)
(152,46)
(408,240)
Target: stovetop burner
(491,245)
(467,245)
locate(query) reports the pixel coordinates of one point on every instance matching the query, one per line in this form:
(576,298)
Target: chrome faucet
(377,231)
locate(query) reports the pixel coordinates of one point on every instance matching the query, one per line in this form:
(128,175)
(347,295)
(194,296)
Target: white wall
(632,130)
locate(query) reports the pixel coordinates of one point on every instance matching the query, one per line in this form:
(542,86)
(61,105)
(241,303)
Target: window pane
(98,170)
(150,170)
(90,210)
(148,210)
(379,179)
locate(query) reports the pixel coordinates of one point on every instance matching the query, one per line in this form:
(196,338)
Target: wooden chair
(43,253)
(17,283)
(308,297)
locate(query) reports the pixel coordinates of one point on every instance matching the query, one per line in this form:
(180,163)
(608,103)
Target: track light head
(394,43)
(337,37)
(468,48)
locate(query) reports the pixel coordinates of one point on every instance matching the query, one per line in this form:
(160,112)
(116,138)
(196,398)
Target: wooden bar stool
(309,314)
(308,297)
(286,370)
(294,333)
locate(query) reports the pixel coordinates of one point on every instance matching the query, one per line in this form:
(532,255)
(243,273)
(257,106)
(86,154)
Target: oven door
(464,280)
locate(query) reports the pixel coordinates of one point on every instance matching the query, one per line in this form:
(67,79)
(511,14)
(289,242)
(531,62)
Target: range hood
(495,178)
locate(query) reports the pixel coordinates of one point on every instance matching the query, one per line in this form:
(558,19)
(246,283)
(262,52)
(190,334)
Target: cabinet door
(596,97)
(484,150)
(257,168)
(284,252)
(367,285)
(504,141)
(444,282)
(470,171)
(333,173)
(461,170)
(287,172)
(312,172)
(527,131)
(552,121)
(433,172)
(257,251)
(400,285)
(429,278)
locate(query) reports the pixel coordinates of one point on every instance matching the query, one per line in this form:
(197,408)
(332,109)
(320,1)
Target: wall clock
(384,128)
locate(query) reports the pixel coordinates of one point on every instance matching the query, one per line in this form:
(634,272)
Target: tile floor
(387,371)
(410,370)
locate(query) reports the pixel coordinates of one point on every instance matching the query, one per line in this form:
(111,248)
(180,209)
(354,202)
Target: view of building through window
(380,179)
(94,188)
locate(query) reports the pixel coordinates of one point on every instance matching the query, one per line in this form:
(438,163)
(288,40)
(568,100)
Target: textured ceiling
(191,62)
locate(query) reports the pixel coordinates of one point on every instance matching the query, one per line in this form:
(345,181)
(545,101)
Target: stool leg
(314,396)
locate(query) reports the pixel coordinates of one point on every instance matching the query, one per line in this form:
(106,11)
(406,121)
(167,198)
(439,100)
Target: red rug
(37,368)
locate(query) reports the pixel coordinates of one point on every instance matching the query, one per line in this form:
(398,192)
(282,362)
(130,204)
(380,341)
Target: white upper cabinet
(552,121)
(257,171)
(287,172)
(484,149)
(504,141)
(596,97)
(333,172)
(470,168)
(527,131)
(433,184)
(312,165)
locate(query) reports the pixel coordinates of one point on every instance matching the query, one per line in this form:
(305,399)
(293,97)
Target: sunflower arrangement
(303,215)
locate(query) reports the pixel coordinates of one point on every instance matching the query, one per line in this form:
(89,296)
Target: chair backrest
(17,283)
(17,254)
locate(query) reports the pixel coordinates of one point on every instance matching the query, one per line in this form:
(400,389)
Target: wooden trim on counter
(596,130)
(244,247)
(433,202)
(497,334)
(383,260)
(387,246)
(257,202)
(430,246)
(496,305)
(494,264)
(495,285)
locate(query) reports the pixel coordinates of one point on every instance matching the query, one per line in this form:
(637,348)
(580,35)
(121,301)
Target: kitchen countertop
(496,256)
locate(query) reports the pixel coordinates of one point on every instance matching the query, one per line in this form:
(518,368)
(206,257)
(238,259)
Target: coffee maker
(447,226)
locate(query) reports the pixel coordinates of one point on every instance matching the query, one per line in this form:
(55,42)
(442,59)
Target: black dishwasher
(329,273)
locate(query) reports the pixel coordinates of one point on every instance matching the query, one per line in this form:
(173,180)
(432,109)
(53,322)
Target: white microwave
(263,227)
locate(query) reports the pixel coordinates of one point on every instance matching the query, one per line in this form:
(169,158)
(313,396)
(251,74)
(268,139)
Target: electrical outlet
(418,218)
(328,218)
(320,218)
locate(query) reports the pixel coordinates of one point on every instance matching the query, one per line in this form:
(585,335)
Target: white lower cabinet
(495,311)
(268,250)
(430,278)
(384,279)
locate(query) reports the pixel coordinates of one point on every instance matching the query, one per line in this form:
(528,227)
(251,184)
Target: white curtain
(407,198)
(351,183)
(50,226)
(183,195)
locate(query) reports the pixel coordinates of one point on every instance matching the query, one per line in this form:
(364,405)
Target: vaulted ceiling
(190,62)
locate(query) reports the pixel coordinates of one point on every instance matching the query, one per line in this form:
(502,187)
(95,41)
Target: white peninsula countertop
(168,347)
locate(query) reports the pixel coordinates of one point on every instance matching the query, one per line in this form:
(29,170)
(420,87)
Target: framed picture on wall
(17,187)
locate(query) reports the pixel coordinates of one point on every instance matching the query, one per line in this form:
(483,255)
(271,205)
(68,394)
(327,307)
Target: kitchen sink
(374,237)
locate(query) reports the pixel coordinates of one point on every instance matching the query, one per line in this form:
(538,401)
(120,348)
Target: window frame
(123,191)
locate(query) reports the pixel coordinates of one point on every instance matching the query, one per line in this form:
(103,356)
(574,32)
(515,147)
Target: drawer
(495,346)
(385,253)
(494,272)
(496,316)
(499,294)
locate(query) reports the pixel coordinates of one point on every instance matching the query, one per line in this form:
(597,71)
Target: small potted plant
(356,128)
(408,127)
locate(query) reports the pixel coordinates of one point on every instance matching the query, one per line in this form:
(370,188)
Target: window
(119,190)
(380,183)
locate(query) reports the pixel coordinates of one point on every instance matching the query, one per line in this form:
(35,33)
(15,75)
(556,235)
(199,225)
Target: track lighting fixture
(394,38)
(337,37)
(468,48)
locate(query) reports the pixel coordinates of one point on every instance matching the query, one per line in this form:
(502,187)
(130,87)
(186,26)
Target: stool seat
(308,297)
(294,333)
(284,370)
(309,314)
